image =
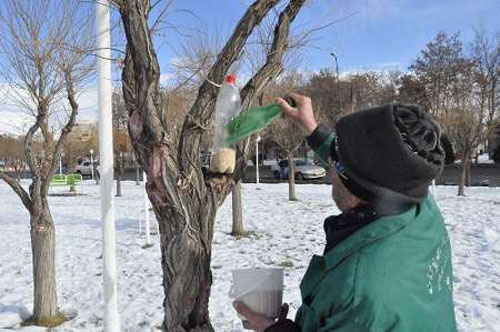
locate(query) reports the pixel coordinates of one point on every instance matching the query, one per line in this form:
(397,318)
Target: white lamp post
(111,316)
(92,163)
(257,161)
(60,163)
(146,209)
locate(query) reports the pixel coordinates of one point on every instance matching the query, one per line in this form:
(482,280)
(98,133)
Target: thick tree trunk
(238,228)
(291,178)
(186,237)
(44,276)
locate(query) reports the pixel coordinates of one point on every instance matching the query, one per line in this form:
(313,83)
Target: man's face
(344,199)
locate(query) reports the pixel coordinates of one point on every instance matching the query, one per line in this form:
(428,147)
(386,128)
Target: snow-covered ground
(286,234)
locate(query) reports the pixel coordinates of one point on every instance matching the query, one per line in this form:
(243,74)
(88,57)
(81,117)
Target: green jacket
(393,274)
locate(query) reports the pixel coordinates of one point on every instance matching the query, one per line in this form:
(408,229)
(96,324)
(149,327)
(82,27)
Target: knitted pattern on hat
(393,151)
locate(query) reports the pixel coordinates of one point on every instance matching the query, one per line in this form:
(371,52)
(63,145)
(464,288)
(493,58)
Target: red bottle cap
(231,79)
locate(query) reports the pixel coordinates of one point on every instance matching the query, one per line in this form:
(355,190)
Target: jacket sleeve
(284,325)
(320,141)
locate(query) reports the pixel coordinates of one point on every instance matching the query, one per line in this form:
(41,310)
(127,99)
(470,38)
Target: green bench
(70,180)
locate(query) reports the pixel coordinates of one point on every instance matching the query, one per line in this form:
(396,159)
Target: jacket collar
(376,229)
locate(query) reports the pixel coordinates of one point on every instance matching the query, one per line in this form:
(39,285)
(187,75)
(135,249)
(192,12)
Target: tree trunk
(44,275)
(291,178)
(186,237)
(137,174)
(463,174)
(467,173)
(119,184)
(119,173)
(238,228)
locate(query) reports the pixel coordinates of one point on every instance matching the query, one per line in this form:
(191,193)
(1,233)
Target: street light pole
(111,316)
(146,210)
(338,79)
(92,163)
(60,164)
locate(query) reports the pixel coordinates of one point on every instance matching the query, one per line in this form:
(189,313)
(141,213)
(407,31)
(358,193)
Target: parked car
(304,170)
(64,170)
(85,168)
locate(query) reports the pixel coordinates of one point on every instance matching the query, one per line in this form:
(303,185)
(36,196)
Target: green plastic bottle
(254,120)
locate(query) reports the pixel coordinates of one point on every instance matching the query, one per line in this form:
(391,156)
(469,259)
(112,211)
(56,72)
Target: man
(387,260)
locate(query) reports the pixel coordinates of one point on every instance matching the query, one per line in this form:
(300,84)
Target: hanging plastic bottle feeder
(227,107)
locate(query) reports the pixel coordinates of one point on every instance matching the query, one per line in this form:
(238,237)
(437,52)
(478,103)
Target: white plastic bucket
(261,290)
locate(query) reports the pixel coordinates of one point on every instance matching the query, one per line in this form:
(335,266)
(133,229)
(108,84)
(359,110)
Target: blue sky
(370,34)
(375,34)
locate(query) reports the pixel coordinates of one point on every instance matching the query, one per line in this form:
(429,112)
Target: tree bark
(291,178)
(186,237)
(44,274)
(238,227)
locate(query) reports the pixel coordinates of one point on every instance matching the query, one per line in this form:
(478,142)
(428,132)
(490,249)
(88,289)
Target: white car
(304,170)
(85,168)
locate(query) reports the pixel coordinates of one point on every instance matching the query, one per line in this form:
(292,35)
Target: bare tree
(456,93)
(184,200)
(464,123)
(39,38)
(437,68)
(485,54)
(285,133)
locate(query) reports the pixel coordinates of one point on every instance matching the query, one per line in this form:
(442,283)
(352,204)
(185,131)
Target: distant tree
(449,153)
(122,147)
(11,153)
(324,92)
(464,123)
(485,54)
(412,90)
(285,133)
(438,70)
(45,44)
(448,78)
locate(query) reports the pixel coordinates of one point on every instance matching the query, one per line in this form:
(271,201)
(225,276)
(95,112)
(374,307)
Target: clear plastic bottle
(227,106)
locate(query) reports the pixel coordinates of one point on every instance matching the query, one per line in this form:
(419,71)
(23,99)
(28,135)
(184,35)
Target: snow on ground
(285,234)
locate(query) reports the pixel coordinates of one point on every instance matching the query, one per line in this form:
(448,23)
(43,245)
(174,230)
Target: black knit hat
(392,152)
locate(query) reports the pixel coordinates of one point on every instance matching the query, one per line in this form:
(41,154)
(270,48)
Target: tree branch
(65,131)
(203,107)
(28,144)
(274,61)
(23,195)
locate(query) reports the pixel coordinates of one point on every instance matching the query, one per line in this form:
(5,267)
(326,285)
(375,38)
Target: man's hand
(255,321)
(301,113)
